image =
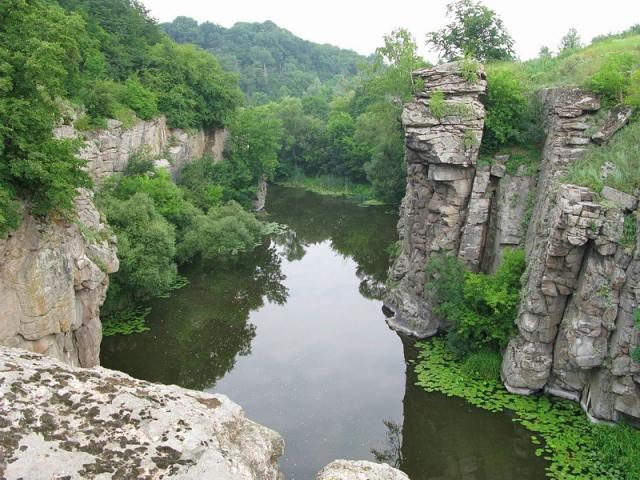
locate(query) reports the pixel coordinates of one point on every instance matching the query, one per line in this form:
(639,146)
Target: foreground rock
(359,470)
(58,421)
(53,280)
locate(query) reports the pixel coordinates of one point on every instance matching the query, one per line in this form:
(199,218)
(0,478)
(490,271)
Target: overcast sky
(360,25)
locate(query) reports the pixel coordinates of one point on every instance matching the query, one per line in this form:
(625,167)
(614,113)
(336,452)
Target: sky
(360,25)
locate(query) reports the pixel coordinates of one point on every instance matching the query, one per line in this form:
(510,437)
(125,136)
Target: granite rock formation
(107,151)
(580,289)
(441,154)
(58,421)
(359,470)
(53,280)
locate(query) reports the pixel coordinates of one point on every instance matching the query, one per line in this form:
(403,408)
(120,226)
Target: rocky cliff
(53,280)
(582,282)
(54,272)
(58,421)
(107,151)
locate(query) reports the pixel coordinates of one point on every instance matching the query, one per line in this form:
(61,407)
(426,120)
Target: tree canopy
(475,30)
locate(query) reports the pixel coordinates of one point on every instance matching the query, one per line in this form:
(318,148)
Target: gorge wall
(575,327)
(54,271)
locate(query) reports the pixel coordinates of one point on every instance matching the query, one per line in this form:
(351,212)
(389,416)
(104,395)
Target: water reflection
(444,438)
(200,332)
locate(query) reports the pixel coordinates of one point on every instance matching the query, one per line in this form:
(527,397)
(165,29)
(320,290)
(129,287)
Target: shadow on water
(295,334)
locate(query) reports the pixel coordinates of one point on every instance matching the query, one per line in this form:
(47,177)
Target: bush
(481,308)
(141,100)
(223,233)
(612,81)
(100,100)
(9,216)
(508,111)
(146,249)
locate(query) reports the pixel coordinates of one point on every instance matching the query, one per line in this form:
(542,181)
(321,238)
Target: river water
(295,334)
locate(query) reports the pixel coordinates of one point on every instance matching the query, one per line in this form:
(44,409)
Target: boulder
(58,421)
(359,470)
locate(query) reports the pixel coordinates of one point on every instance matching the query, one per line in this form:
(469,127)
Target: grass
(334,186)
(574,67)
(622,157)
(575,448)
(484,364)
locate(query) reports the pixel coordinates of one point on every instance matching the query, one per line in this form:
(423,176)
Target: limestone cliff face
(54,272)
(107,151)
(441,154)
(581,285)
(53,280)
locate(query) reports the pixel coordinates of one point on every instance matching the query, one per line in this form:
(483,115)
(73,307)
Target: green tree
(570,41)
(475,31)
(40,54)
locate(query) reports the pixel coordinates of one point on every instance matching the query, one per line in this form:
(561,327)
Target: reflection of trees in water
(360,233)
(391,455)
(369,287)
(197,334)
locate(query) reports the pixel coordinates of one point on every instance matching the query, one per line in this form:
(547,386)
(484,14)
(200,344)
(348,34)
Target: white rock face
(359,470)
(53,280)
(107,151)
(58,421)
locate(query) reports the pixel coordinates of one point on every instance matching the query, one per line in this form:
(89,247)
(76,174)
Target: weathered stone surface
(58,421)
(53,280)
(624,200)
(616,119)
(107,151)
(261,195)
(359,470)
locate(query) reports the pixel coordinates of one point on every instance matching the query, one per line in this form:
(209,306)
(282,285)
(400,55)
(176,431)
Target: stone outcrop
(58,421)
(441,153)
(359,470)
(53,280)
(107,151)
(580,289)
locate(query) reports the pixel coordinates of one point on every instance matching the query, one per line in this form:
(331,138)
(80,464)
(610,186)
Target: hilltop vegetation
(271,62)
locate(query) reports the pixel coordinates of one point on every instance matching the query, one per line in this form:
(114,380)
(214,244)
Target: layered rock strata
(442,144)
(575,320)
(107,151)
(53,280)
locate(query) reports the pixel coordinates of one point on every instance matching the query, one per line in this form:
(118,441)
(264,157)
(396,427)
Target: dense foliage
(106,56)
(35,70)
(575,447)
(481,307)
(158,227)
(272,63)
(475,31)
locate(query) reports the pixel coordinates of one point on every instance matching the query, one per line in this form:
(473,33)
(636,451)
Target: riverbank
(575,447)
(334,186)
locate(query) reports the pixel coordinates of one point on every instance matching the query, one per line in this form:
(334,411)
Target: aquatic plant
(126,322)
(574,447)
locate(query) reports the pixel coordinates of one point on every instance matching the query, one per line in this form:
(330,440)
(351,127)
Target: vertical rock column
(562,223)
(442,138)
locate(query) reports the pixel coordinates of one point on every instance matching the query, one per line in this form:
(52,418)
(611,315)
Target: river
(295,334)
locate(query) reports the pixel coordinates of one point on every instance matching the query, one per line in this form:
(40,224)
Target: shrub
(9,216)
(481,308)
(508,109)
(613,79)
(436,104)
(141,100)
(100,99)
(223,233)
